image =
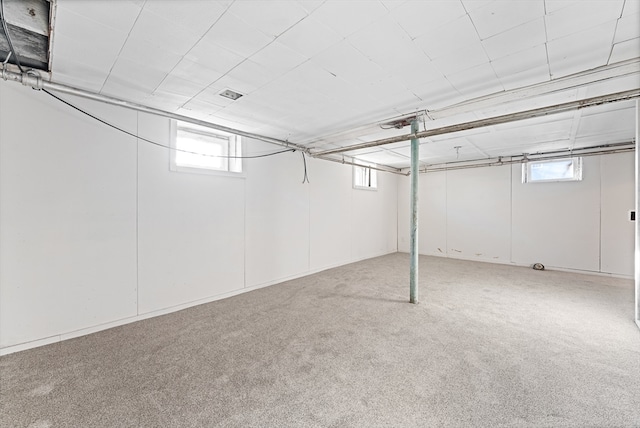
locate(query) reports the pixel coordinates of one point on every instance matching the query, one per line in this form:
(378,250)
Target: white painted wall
(96,231)
(488,214)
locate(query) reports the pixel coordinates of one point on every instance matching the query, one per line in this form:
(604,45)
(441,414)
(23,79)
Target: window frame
(234,148)
(373,176)
(577,166)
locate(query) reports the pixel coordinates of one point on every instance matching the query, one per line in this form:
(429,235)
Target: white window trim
(195,170)
(577,175)
(371,170)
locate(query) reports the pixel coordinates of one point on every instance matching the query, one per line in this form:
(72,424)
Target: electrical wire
(6,34)
(155,143)
(306,177)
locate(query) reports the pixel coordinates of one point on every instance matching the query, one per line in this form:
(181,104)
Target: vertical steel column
(413,275)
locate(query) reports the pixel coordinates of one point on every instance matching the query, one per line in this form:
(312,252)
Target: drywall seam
(116,323)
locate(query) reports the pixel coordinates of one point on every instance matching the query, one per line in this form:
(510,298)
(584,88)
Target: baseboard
(158,312)
(510,263)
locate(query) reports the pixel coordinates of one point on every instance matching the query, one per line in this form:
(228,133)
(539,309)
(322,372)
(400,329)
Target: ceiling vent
(232,95)
(28,24)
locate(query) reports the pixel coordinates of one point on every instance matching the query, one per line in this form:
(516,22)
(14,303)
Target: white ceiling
(317,72)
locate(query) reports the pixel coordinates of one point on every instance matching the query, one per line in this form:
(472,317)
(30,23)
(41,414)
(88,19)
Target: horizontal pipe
(497,120)
(35,81)
(521,159)
(382,168)
(572,81)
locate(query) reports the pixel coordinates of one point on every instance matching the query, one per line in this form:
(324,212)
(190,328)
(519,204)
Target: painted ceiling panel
(418,18)
(175,38)
(326,73)
(462,59)
(581,16)
(195,72)
(235,35)
(120,19)
(502,15)
(278,58)
(345,18)
(309,37)
(196,15)
(440,41)
(625,50)
(283,15)
(213,56)
(627,28)
(518,39)
(520,61)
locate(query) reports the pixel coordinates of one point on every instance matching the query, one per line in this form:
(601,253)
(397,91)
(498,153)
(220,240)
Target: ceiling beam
(497,120)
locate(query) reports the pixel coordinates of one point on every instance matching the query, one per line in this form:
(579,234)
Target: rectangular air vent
(232,95)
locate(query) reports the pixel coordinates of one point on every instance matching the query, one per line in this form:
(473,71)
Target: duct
(34,80)
(496,120)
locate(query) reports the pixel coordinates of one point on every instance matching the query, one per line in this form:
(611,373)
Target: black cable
(306,177)
(6,34)
(159,144)
(15,54)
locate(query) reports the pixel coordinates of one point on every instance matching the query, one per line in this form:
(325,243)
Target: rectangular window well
(202,150)
(552,170)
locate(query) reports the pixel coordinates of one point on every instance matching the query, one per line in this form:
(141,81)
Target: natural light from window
(199,148)
(552,170)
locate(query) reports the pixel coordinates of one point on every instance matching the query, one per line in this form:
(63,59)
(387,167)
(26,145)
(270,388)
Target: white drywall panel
(479,214)
(67,216)
(330,213)
(558,223)
(277,215)
(617,199)
(374,223)
(432,212)
(190,228)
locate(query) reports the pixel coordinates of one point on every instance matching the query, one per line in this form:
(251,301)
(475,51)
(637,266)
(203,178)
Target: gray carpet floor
(488,346)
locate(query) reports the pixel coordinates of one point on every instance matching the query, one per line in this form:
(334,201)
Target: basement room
(319,213)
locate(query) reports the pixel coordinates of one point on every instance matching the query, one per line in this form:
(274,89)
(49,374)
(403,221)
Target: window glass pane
(553,170)
(364,177)
(201,151)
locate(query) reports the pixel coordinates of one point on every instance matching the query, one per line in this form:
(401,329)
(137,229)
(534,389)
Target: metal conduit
(382,168)
(512,117)
(521,159)
(35,81)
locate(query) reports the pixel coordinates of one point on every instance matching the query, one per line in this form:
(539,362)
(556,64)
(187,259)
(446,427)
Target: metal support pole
(415,155)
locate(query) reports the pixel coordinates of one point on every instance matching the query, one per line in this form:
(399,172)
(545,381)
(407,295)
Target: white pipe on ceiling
(496,120)
(35,81)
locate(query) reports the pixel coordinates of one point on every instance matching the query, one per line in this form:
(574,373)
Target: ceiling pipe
(33,79)
(572,81)
(496,120)
(531,157)
(382,168)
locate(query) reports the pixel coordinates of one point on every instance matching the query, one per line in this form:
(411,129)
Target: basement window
(552,170)
(365,177)
(202,150)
